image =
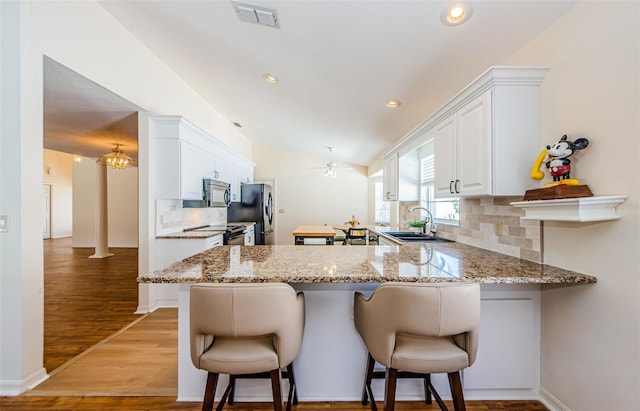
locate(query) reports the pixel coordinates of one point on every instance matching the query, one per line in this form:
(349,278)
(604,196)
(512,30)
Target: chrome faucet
(429,218)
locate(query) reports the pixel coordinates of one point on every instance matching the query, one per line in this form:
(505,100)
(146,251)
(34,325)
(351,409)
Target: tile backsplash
(492,224)
(171,217)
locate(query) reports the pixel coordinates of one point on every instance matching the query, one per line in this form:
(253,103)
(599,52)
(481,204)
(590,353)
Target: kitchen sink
(411,236)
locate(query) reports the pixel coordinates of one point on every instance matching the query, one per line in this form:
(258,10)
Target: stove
(207,228)
(233,233)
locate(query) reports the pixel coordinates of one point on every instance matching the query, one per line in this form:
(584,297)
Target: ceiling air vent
(256,14)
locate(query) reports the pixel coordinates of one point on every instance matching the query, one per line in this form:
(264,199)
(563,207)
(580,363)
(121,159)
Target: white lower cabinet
(170,250)
(509,348)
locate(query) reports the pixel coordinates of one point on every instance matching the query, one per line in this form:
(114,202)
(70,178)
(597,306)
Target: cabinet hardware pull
(456,186)
(451,186)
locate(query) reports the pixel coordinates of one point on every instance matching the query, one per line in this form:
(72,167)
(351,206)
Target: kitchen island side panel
(331,363)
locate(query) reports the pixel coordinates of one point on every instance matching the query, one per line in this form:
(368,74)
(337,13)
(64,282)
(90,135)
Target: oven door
(236,239)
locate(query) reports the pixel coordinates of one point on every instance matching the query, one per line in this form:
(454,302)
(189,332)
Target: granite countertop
(190,234)
(199,234)
(440,262)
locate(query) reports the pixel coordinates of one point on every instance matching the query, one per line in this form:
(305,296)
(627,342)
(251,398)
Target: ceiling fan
(331,167)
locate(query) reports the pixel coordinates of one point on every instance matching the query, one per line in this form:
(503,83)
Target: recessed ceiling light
(456,14)
(393,103)
(270,78)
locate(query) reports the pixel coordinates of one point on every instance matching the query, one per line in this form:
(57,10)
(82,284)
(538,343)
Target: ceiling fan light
(330,173)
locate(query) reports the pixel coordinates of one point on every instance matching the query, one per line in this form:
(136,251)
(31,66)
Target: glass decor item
(117,159)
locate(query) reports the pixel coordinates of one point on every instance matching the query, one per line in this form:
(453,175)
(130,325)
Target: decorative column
(102,226)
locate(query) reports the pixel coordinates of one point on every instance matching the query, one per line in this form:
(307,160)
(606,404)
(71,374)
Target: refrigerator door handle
(269,209)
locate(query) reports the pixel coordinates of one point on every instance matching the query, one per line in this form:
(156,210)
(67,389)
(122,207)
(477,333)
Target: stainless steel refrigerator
(256,205)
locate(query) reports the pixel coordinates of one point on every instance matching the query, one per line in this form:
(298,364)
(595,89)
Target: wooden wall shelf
(584,209)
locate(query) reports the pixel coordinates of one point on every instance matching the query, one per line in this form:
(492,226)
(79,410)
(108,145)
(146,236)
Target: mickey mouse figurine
(558,163)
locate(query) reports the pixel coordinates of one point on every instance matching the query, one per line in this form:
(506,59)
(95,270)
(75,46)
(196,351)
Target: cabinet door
(241,176)
(224,170)
(390,178)
(445,160)
(236,179)
(473,128)
(193,162)
(166,168)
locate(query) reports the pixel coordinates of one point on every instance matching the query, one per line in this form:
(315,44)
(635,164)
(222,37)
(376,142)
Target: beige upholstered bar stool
(243,330)
(420,328)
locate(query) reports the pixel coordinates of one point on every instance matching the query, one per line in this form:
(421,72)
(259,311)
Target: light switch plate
(4,223)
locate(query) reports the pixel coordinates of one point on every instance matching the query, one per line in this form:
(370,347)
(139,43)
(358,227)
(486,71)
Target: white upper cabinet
(390,178)
(445,162)
(486,136)
(183,155)
(241,176)
(462,151)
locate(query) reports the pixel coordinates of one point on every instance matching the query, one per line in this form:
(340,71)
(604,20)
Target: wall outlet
(4,223)
(497,228)
(281,210)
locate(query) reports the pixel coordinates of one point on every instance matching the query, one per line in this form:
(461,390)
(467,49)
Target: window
(444,210)
(382,208)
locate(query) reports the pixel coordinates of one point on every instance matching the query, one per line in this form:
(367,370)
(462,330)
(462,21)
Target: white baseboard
(13,388)
(550,401)
(167,303)
(145,309)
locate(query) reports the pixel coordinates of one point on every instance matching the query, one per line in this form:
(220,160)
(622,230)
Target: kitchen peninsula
(330,366)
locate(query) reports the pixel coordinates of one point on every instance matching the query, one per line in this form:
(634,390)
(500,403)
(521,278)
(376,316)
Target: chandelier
(117,159)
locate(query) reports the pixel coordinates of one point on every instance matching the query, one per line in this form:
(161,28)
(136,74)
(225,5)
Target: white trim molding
(12,388)
(550,401)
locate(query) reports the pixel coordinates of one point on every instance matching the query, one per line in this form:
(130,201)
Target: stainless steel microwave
(214,194)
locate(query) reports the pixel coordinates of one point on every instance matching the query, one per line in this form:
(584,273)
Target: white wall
(21,247)
(305,195)
(122,206)
(56,171)
(591,334)
(85,38)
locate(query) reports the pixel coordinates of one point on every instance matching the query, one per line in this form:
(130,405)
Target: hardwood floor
(85,299)
(140,360)
(153,339)
(169,403)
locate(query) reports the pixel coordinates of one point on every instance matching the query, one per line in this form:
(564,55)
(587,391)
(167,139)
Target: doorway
(46,216)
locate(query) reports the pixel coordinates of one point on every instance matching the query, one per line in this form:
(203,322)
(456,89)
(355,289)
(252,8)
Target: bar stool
(245,330)
(419,328)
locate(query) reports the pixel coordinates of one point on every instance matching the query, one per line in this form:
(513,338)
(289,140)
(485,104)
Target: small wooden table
(314,235)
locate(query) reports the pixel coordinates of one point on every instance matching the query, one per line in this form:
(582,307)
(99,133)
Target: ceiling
(83,118)
(337,62)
